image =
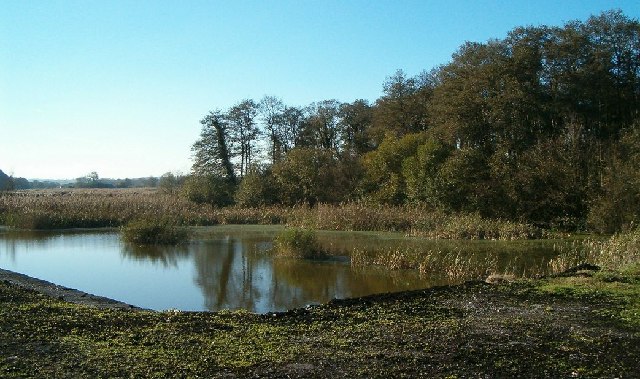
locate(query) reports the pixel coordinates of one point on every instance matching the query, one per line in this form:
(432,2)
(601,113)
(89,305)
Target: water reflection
(13,241)
(167,256)
(227,267)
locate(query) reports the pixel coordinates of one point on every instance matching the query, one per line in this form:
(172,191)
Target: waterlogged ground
(586,324)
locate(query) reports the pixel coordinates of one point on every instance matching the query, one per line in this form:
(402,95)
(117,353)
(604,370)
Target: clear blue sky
(119,87)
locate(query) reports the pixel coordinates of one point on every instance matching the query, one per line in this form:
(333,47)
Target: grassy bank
(60,209)
(575,326)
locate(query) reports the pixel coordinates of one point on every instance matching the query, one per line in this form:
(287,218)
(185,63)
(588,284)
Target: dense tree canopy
(540,126)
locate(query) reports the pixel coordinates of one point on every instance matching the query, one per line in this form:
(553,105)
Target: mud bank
(61,293)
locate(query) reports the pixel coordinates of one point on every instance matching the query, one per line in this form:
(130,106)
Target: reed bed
(63,209)
(60,209)
(143,232)
(412,220)
(297,243)
(453,265)
(619,252)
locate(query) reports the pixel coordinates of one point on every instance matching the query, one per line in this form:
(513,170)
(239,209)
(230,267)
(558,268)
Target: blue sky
(119,87)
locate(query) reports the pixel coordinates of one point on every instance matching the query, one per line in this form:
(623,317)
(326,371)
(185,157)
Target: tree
(309,176)
(383,180)
(243,132)
(403,108)
(150,182)
(211,155)
(462,182)
(322,125)
(208,189)
(91,180)
(6,182)
(170,183)
(617,206)
(354,124)
(125,183)
(293,120)
(272,110)
(420,172)
(257,188)
(21,183)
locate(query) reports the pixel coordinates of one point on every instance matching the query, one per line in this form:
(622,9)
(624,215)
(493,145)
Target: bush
(299,243)
(209,189)
(154,232)
(256,189)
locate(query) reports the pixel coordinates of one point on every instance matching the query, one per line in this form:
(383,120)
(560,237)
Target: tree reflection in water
(166,256)
(228,267)
(235,273)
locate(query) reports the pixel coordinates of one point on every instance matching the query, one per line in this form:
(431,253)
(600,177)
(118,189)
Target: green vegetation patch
(298,243)
(154,232)
(620,291)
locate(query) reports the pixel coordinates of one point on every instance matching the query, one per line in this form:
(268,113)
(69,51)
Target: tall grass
(454,265)
(59,209)
(297,243)
(413,220)
(620,252)
(154,232)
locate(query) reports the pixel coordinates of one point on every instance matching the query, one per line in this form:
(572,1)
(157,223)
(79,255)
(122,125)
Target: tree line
(168,182)
(540,126)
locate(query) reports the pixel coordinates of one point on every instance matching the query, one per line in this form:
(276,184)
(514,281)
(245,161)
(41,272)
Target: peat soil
(560,327)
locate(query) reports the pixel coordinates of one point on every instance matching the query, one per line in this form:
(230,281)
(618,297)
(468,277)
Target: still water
(224,267)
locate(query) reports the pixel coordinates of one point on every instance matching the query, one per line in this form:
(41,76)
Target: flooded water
(226,267)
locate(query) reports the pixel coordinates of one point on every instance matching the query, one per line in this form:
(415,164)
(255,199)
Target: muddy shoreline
(62,293)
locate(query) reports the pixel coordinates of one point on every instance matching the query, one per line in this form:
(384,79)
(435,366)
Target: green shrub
(208,189)
(299,243)
(256,189)
(154,232)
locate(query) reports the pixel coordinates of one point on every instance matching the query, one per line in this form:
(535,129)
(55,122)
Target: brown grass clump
(154,232)
(298,243)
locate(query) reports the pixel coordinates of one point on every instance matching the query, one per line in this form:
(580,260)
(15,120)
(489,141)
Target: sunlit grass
(620,252)
(298,243)
(59,209)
